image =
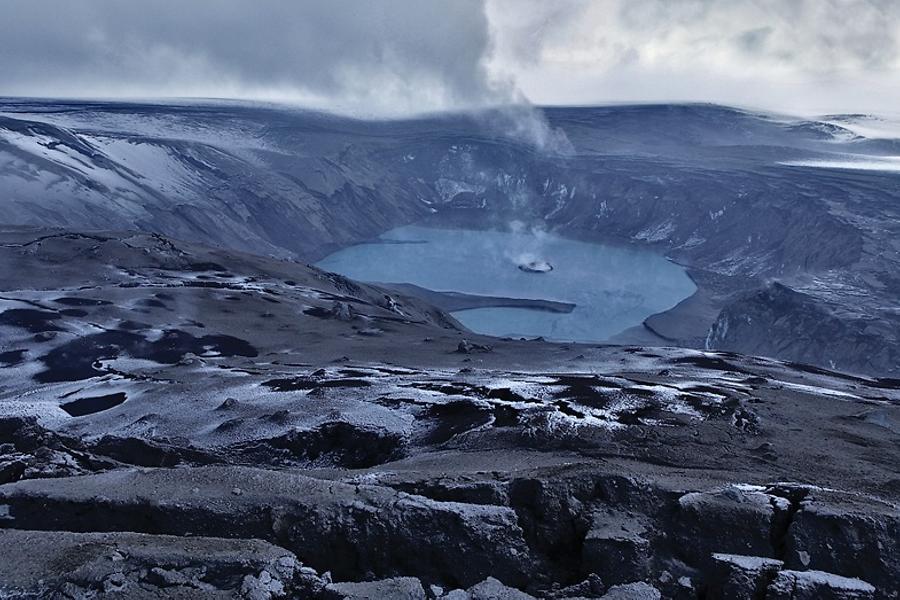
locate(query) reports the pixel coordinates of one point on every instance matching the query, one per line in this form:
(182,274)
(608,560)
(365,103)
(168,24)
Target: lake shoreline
(459,301)
(594,292)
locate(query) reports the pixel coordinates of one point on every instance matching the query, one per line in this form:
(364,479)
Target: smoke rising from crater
(385,58)
(389,57)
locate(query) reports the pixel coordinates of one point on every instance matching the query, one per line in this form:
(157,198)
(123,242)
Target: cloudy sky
(397,57)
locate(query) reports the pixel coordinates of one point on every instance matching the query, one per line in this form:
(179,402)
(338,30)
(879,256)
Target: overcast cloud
(792,55)
(379,56)
(396,57)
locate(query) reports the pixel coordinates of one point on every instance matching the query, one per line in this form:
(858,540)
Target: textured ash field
(305,431)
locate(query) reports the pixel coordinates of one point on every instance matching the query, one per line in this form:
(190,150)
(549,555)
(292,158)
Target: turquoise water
(613,288)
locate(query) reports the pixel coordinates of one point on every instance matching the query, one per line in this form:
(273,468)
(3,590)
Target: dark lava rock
(150,453)
(735,577)
(75,360)
(817,585)
(339,444)
(11,469)
(836,533)
(312,382)
(73,301)
(228,404)
(493,589)
(12,357)
(632,591)
(467,347)
(89,405)
(455,417)
(342,311)
(31,451)
(39,564)
(743,517)
(31,320)
(617,547)
(400,588)
(26,435)
(592,587)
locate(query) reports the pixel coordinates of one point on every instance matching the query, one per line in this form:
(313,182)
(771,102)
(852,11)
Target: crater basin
(613,288)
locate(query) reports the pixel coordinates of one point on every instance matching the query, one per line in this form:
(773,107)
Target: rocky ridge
(729,194)
(186,422)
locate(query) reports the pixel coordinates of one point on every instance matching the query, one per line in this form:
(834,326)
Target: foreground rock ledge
(725,542)
(51,564)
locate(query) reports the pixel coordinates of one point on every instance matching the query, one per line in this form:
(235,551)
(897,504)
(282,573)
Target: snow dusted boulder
(734,519)
(324,522)
(489,589)
(736,577)
(846,534)
(492,589)
(818,585)
(615,548)
(633,591)
(399,588)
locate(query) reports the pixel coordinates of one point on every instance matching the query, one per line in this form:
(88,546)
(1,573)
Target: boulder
(492,589)
(398,588)
(736,577)
(842,533)
(733,519)
(467,347)
(818,585)
(633,591)
(615,548)
(592,587)
(41,564)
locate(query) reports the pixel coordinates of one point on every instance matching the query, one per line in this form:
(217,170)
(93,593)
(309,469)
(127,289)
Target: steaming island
(536,266)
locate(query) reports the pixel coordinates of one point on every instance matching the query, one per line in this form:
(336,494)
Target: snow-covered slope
(723,191)
(204,176)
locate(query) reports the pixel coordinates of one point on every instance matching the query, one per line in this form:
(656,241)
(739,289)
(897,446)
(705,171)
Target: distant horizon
(288,104)
(411,57)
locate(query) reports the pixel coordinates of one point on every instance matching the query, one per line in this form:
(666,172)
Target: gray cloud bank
(781,54)
(379,56)
(397,57)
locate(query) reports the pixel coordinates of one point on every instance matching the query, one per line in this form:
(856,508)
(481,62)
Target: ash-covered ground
(185,422)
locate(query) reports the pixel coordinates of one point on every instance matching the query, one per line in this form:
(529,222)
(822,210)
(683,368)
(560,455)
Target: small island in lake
(536,266)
